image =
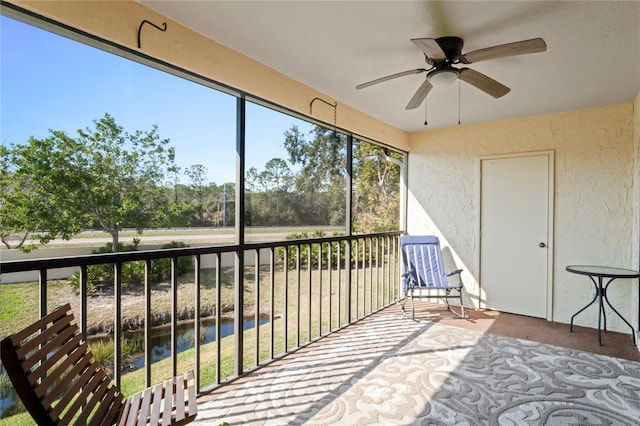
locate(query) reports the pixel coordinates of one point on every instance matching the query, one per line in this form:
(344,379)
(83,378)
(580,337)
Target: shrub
(103,351)
(100,277)
(314,249)
(161,268)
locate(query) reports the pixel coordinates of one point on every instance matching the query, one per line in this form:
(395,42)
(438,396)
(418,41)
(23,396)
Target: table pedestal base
(601,294)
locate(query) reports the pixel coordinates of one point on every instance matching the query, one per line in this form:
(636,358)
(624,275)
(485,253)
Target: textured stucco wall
(118,22)
(594,195)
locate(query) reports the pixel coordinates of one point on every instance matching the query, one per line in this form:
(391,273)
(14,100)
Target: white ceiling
(592,59)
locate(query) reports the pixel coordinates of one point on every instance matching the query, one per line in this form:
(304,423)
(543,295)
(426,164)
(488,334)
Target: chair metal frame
(60,383)
(424,270)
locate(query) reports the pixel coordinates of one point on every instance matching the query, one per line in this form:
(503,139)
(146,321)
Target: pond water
(161,341)
(161,349)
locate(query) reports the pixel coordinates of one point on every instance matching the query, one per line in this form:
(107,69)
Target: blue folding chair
(424,270)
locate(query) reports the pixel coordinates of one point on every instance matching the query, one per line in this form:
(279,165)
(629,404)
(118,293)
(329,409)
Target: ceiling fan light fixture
(443,78)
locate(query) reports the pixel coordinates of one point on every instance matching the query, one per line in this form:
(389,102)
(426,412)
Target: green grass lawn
(19,303)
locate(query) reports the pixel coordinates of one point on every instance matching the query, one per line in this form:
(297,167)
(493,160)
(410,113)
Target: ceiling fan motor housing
(452,48)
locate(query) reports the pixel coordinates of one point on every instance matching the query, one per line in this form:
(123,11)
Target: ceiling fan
(444,52)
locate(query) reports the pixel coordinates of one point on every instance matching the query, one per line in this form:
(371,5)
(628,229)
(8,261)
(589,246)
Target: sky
(51,82)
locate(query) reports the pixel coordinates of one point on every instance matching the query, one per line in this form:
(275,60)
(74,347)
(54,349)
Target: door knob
(542,245)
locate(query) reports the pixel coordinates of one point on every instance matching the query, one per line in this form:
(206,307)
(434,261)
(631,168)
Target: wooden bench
(60,383)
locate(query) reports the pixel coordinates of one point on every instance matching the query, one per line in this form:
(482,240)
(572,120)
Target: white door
(515,220)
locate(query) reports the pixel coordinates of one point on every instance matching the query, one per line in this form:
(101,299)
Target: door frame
(550,154)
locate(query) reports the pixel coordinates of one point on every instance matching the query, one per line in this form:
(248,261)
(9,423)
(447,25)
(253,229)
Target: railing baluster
(238,313)
(376,271)
(117,322)
(297,294)
(174,316)
(347,281)
(378,288)
(356,262)
(330,269)
(309,270)
(197,329)
(218,357)
(398,261)
(367,256)
(272,296)
(386,268)
(366,293)
(257,307)
(389,265)
(83,300)
(365,281)
(320,289)
(148,350)
(339,283)
(371,275)
(286,300)
(42,287)
(362,244)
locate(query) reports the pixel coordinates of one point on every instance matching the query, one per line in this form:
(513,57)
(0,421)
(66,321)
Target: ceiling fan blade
(390,77)
(420,95)
(483,82)
(510,49)
(430,47)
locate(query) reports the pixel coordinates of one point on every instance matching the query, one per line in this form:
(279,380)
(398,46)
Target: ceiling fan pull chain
(458,102)
(426,102)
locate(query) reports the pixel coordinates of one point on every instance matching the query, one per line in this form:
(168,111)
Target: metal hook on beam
(163,29)
(332,105)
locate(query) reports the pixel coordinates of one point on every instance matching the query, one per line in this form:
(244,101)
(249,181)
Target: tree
(252,181)
(277,179)
(323,158)
(321,179)
(376,189)
(36,189)
(376,181)
(226,206)
(103,177)
(277,173)
(197,176)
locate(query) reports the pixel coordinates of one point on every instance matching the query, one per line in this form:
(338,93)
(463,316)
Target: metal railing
(279,296)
